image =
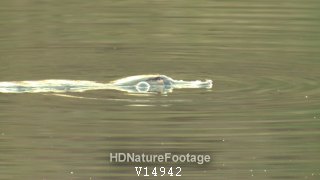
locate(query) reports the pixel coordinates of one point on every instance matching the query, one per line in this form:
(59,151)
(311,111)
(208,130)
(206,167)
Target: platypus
(132,84)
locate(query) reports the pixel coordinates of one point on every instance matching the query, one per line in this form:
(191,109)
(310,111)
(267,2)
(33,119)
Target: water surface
(261,120)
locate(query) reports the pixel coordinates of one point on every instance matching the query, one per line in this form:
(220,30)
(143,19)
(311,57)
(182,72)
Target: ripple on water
(297,95)
(267,85)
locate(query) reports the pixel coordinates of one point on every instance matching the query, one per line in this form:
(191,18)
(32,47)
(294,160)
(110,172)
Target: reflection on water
(261,120)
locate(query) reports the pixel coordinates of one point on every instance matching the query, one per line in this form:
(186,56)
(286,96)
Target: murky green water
(261,120)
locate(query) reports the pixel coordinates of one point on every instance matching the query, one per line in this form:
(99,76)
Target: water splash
(133,84)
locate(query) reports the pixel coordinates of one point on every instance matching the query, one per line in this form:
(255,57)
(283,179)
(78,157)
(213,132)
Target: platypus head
(156,83)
